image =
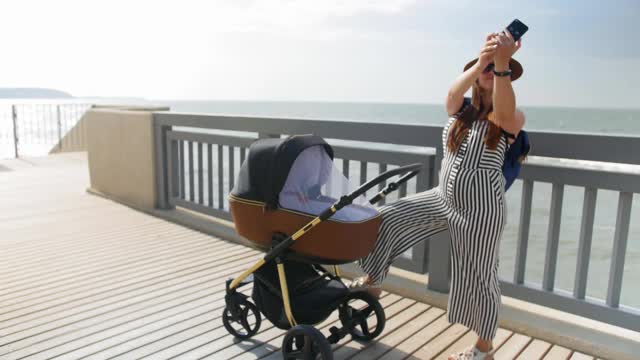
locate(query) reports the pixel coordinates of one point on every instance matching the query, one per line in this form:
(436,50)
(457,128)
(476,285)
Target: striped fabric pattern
(469,202)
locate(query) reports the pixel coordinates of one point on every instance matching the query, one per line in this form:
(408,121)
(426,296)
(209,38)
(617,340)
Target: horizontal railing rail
(197,164)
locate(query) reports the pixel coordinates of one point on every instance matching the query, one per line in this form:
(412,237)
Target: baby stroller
(285,189)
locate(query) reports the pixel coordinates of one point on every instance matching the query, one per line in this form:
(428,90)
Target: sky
(576,53)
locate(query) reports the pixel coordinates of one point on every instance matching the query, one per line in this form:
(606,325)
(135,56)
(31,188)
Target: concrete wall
(121,154)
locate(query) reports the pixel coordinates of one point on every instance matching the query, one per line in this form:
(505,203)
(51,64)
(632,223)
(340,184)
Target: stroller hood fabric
(315,183)
(265,171)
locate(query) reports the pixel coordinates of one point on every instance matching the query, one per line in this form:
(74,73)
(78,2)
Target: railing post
(424,181)
(620,237)
(437,252)
(14,116)
(553,237)
(59,127)
(523,231)
(439,262)
(172,168)
(161,153)
(437,162)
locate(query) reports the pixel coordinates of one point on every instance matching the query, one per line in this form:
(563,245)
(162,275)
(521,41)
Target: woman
(469,200)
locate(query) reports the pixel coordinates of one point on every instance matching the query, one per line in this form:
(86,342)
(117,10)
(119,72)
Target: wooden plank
(557,353)
(381,346)
(121,274)
(535,351)
(513,347)
(73,287)
(470,339)
(415,342)
(113,331)
(502,335)
(36,279)
(55,330)
(580,356)
(407,309)
(49,268)
(155,335)
(439,343)
(208,336)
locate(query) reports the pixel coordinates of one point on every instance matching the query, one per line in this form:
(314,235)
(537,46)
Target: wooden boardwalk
(84,277)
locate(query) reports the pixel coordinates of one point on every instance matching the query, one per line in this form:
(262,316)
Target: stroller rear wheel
(241,319)
(305,342)
(362,315)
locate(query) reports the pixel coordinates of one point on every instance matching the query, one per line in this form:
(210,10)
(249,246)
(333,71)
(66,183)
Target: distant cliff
(33,93)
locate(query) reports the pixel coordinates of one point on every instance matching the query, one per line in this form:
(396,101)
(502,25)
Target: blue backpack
(514,157)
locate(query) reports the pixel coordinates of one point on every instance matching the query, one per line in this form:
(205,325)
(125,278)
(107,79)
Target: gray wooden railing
(196,169)
(39,128)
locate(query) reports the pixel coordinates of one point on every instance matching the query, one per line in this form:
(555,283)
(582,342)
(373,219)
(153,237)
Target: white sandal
(472,353)
(363,284)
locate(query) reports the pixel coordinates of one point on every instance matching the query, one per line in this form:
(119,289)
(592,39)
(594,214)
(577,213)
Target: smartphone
(517,28)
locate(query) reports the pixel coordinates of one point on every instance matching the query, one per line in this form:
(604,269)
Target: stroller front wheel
(305,342)
(241,319)
(362,315)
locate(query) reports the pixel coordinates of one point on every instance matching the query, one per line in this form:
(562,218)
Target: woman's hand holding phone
(488,51)
(505,50)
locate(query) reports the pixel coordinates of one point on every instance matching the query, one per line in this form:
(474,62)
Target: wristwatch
(502,73)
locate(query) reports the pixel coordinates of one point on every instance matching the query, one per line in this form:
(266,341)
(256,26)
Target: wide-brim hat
(514,65)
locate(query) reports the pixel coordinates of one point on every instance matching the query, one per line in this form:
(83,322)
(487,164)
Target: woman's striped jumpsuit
(469,202)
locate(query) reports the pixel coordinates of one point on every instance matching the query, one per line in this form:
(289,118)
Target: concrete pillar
(121,155)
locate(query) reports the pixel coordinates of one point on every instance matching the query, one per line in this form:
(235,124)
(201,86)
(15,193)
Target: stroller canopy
(298,173)
(264,173)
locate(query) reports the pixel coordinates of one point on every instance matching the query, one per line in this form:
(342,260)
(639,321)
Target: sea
(557,119)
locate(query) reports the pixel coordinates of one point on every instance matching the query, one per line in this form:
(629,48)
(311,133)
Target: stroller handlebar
(410,171)
(393,186)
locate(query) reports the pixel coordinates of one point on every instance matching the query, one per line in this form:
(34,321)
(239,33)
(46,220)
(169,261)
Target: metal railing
(196,168)
(38,128)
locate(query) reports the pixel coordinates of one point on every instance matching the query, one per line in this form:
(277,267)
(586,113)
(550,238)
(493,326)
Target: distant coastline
(33,93)
(30,95)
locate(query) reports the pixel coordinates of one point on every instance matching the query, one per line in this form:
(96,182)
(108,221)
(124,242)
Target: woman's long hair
(467,116)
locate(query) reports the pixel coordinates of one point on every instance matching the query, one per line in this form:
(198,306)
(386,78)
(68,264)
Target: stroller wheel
(241,319)
(305,342)
(363,316)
